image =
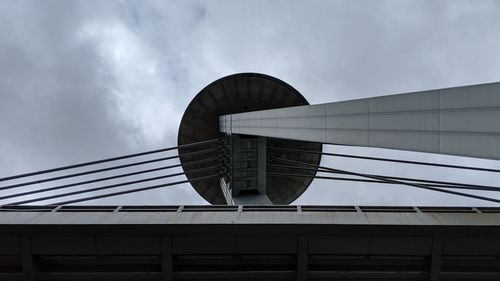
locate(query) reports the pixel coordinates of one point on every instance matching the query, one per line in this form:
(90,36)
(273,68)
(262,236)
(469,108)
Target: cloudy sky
(83,80)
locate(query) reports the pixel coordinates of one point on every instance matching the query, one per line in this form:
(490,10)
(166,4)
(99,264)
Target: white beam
(462,121)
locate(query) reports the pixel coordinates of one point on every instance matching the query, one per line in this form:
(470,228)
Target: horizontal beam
(276,215)
(247,208)
(235,275)
(99,276)
(378,253)
(459,121)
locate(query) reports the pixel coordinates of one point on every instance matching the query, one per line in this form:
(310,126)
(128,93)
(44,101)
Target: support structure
(167,263)
(459,121)
(247,179)
(248,168)
(244,243)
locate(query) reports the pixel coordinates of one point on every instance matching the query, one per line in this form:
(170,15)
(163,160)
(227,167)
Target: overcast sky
(83,80)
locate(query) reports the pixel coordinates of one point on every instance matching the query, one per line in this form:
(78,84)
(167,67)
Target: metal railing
(246,208)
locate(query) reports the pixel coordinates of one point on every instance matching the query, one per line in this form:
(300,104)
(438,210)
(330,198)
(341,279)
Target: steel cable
(443,184)
(388,160)
(107,160)
(395,181)
(364,180)
(104,169)
(105,178)
(134,190)
(109,186)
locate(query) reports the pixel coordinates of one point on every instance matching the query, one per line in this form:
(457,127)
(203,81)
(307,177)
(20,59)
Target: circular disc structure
(238,93)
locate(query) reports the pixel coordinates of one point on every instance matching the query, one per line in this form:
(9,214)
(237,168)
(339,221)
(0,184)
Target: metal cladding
(238,93)
(459,121)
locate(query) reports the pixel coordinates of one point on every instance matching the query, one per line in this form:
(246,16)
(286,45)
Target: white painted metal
(226,191)
(462,121)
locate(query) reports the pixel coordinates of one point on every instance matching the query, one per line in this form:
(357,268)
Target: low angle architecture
(250,144)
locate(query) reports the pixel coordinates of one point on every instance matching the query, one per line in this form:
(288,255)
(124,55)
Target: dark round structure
(238,93)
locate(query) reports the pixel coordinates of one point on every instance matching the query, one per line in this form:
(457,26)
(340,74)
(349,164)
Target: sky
(85,80)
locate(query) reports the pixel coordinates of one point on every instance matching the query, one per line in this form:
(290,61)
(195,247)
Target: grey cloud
(54,105)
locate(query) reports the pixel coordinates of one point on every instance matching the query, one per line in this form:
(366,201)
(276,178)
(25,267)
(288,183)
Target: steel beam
(167,264)
(250,243)
(248,171)
(261,165)
(436,259)
(27,259)
(456,121)
(302,258)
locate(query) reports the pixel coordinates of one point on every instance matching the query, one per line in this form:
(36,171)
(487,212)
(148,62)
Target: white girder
(462,121)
